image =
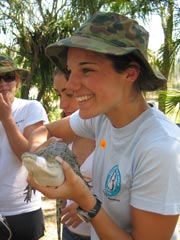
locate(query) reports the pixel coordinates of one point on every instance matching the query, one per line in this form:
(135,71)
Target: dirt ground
(49,210)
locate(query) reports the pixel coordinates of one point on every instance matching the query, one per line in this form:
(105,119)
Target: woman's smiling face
(67,102)
(98,88)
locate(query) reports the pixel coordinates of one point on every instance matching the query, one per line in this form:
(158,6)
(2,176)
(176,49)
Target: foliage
(30,25)
(171,99)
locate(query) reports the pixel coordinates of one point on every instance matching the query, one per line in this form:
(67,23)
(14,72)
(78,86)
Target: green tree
(34,24)
(169,12)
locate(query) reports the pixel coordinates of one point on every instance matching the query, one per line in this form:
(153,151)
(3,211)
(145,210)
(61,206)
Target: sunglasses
(8,77)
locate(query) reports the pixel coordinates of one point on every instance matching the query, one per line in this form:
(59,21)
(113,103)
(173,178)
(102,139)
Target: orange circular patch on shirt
(103,143)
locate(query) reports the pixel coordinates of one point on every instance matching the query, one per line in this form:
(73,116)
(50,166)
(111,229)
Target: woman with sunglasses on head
(18,118)
(73,227)
(136,165)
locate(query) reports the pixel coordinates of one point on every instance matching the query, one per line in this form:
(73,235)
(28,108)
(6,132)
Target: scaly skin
(44,167)
(48,171)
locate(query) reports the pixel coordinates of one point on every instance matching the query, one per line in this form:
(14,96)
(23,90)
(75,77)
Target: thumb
(67,169)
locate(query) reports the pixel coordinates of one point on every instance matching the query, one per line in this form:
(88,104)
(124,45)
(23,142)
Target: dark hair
(60,72)
(121,63)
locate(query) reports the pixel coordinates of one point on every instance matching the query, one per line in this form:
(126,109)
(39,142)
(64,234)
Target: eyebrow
(63,89)
(83,63)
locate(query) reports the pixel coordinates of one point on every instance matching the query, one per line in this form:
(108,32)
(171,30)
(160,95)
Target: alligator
(47,171)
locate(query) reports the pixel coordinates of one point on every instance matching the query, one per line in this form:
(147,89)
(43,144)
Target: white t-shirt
(139,164)
(12,174)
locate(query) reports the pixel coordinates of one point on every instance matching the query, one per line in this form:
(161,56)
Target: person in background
(18,118)
(67,103)
(136,166)
(74,227)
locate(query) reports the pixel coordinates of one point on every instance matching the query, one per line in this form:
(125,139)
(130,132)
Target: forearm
(38,137)
(102,220)
(17,141)
(59,129)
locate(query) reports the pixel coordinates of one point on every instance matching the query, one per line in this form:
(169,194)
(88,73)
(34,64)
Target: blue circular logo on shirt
(113,182)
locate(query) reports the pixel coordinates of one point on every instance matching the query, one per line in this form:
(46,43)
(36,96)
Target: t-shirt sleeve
(82,127)
(35,113)
(156,178)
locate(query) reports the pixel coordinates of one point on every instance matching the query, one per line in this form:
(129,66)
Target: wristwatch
(87,216)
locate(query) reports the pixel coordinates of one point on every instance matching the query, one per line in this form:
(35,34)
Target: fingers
(70,209)
(1,98)
(7,98)
(66,167)
(5,107)
(70,217)
(73,221)
(49,192)
(72,188)
(64,191)
(76,223)
(70,175)
(55,139)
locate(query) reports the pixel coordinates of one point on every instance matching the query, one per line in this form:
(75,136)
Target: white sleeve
(156,178)
(82,127)
(35,113)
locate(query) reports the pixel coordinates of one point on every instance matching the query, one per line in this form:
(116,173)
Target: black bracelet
(87,216)
(93,211)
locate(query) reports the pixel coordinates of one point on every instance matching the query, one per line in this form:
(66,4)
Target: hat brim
(57,53)
(22,72)
(12,69)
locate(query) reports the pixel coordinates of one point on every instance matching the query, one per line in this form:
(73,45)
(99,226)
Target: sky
(156,36)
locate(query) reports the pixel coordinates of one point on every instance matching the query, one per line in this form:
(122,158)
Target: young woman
(73,227)
(18,118)
(136,174)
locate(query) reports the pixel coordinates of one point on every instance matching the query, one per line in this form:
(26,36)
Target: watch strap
(87,216)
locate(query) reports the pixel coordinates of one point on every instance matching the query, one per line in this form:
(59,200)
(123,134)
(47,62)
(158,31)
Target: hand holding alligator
(68,190)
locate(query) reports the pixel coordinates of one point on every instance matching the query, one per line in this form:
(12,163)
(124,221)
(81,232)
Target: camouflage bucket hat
(110,33)
(7,65)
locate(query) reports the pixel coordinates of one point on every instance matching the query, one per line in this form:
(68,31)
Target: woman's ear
(133,71)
